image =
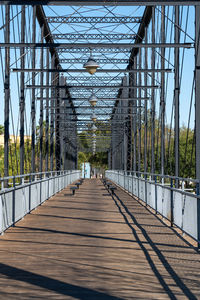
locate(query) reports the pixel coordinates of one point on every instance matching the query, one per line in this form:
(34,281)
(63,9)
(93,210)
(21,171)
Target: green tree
(1,129)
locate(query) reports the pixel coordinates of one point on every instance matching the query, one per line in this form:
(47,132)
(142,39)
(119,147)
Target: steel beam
(57,125)
(140,34)
(22,95)
(139,113)
(197,111)
(47,32)
(197,90)
(33,120)
(99,99)
(98,70)
(52,115)
(101,2)
(100,114)
(108,37)
(95,79)
(47,118)
(162,94)
(145,105)
(81,60)
(88,107)
(134,119)
(92,86)
(153,96)
(101,19)
(7,93)
(121,46)
(41,104)
(176,92)
(81,51)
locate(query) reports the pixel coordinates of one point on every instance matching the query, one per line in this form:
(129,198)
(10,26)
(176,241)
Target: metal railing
(22,193)
(175,198)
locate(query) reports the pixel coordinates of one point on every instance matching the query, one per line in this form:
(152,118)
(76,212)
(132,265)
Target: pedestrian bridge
(96,245)
(114,85)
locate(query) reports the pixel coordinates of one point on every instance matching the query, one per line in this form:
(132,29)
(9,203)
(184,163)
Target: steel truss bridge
(140,108)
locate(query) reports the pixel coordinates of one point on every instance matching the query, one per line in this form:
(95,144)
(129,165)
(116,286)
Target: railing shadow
(54,285)
(119,203)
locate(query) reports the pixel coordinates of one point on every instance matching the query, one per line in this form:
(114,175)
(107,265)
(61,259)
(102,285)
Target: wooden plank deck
(91,246)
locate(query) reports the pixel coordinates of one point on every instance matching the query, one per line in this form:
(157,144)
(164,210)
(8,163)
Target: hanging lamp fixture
(94,128)
(93,100)
(91,65)
(93,117)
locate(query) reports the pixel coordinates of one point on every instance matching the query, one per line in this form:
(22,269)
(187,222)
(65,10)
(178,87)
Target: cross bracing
(95,79)
(100,60)
(108,37)
(100,50)
(100,19)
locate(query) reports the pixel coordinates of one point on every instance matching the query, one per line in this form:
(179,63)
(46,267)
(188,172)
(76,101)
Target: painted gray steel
(162,198)
(19,200)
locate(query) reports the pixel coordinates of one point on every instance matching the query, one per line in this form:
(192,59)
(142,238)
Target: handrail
(181,207)
(18,200)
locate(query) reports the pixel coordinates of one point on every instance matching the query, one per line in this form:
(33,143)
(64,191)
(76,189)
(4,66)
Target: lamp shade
(93,100)
(91,65)
(94,128)
(93,117)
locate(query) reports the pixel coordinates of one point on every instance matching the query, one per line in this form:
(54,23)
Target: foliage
(1,129)
(99,159)
(186,150)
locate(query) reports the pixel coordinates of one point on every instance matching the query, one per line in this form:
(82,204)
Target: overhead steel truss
(91,20)
(94,50)
(127,122)
(93,79)
(100,60)
(95,36)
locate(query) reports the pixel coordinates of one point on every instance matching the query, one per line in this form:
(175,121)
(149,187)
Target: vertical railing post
(13,201)
(145,176)
(198,215)
(29,199)
(138,185)
(171,202)
(156,196)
